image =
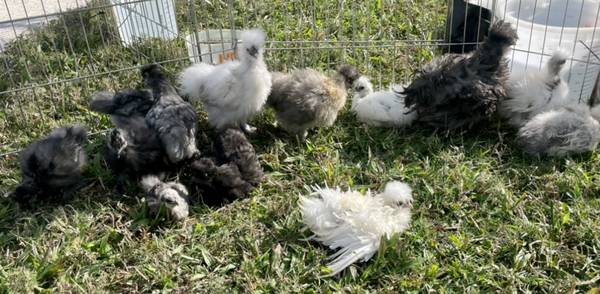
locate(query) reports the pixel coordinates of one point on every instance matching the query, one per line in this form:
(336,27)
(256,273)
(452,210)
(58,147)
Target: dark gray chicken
(127,102)
(133,148)
(462,90)
(232,174)
(171,117)
(51,168)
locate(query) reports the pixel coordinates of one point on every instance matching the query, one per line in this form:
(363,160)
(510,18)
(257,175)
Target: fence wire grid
(55,54)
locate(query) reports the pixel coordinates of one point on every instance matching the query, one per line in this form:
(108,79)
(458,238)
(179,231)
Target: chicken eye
(360,88)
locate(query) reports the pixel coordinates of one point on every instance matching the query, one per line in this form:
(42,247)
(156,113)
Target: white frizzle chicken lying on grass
(355,223)
(381,108)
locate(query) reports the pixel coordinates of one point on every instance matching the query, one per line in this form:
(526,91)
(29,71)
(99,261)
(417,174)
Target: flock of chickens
(155,131)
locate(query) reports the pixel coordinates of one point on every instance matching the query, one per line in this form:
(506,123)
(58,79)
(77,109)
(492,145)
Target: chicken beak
(252,51)
(121,149)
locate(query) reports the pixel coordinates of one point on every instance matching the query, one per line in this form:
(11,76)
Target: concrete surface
(17,16)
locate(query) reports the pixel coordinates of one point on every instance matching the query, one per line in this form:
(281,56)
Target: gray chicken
(171,195)
(127,102)
(51,168)
(171,117)
(232,174)
(133,148)
(461,90)
(306,98)
(560,132)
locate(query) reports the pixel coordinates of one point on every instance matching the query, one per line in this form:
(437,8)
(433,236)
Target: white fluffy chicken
(232,92)
(355,223)
(381,108)
(535,91)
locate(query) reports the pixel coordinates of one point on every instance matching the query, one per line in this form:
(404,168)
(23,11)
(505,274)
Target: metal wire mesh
(129,18)
(55,54)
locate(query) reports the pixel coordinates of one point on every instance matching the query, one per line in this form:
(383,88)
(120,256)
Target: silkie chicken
(132,147)
(306,98)
(458,91)
(173,119)
(536,91)
(381,108)
(232,174)
(51,168)
(232,92)
(355,223)
(562,131)
(171,195)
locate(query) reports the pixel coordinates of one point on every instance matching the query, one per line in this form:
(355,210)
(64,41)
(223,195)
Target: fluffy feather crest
(556,63)
(349,73)
(253,38)
(503,33)
(559,57)
(354,223)
(489,56)
(362,87)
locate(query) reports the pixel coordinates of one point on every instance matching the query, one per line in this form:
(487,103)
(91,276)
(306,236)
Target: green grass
(487,218)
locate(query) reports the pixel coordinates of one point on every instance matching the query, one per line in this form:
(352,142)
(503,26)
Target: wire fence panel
(55,54)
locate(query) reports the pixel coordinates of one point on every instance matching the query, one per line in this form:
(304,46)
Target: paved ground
(16,16)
